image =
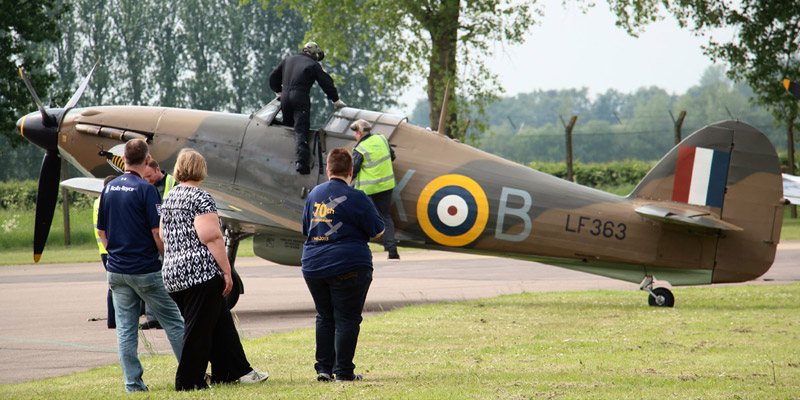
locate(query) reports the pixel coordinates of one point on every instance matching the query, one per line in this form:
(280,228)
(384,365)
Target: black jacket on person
(297,73)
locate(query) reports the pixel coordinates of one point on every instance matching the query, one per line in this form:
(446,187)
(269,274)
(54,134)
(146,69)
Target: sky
(570,49)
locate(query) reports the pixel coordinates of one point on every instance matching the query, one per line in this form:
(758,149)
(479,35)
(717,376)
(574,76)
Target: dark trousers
(383,203)
(209,336)
(111,320)
(339,301)
(296,107)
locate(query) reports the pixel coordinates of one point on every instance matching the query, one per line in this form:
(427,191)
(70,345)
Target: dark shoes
(150,325)
(327,377)
(393,256)
(303,169)
(355,377)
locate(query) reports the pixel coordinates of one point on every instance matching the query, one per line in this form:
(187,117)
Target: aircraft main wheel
(663,298)
(233,297)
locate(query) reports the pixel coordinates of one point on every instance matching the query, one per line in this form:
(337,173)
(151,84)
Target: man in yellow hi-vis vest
(111,320)
(158,178)
(373,173)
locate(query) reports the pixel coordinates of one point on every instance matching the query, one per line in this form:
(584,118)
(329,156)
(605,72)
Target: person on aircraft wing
(292,80)
(373,174)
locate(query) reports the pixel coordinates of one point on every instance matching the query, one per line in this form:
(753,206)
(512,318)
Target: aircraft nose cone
(34,130)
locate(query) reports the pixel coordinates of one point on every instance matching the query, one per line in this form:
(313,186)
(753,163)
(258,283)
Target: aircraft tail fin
(726,173)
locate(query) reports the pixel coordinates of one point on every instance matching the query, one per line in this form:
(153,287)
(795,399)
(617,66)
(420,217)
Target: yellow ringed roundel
(452,210)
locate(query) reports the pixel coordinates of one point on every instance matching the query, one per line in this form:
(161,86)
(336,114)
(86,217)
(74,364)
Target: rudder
(731,171)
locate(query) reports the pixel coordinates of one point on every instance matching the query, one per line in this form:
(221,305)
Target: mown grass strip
(717,343)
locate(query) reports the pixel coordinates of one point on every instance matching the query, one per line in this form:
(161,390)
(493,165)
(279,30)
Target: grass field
(738,342)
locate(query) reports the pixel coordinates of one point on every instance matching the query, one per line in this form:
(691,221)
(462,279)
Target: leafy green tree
(205,87)
(24,24)
(99,43)
(763,52)
(235,52)
(440,41)
(168,44)
(132,21)
(63,54)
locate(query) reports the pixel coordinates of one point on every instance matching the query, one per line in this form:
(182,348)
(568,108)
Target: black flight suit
(293,78)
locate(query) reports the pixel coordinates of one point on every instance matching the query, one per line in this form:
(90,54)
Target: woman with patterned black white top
(197,275)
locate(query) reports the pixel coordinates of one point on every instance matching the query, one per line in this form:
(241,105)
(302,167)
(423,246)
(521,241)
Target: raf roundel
(453,210)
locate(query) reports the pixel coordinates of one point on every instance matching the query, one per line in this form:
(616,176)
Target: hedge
(21,195)
(617,173)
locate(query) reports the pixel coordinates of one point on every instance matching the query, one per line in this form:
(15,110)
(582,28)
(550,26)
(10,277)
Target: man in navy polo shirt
(338,221)
(127,223)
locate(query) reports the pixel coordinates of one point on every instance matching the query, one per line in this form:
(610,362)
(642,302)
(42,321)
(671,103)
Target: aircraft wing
(90,186)
(791,188)
(684,216)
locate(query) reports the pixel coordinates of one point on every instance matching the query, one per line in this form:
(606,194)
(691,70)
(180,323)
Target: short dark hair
(340,162)
(136,152)
(108,179)
(154,164)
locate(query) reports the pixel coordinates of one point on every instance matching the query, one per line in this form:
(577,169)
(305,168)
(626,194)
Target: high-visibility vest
(95,211)
(376,174)
(168,184)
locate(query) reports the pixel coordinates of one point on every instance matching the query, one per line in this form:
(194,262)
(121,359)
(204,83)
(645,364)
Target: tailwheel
(661,297)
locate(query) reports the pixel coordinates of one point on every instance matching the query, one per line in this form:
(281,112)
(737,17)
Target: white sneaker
(253,377)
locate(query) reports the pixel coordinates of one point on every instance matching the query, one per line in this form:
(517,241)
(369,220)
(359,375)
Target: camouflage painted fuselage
(453,197)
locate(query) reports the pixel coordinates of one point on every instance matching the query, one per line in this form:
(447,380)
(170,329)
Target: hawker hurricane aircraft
(709,212)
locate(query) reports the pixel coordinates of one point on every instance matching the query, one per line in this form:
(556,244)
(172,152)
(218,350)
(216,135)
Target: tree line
(613,126)
(201,54)
(215,55)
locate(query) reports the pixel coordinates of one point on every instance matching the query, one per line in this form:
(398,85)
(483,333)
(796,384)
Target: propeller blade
(77,95)
(46,200)
(792,87)
(46,118)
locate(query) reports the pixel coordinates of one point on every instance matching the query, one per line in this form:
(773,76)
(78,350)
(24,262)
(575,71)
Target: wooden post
(65,203)
(568,131)
(678,124)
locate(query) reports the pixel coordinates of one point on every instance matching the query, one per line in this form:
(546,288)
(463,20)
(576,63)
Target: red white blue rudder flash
(700,176)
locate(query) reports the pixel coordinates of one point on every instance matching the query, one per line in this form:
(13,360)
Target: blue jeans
(127,290)
(339,301)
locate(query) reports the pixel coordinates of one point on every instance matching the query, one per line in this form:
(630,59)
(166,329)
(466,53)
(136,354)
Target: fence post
(568,132)
(678,124)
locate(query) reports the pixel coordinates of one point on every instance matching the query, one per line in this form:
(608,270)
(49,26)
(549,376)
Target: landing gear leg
(231,247)
(659,297)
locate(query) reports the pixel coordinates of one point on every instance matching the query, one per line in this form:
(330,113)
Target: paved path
(46,326)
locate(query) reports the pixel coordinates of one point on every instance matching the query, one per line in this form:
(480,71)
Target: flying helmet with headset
(316,52)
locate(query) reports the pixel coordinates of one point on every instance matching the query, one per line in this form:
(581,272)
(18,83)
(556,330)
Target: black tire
(233,297)
(668,299)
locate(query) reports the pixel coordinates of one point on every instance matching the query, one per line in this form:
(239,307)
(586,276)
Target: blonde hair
(190,166)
